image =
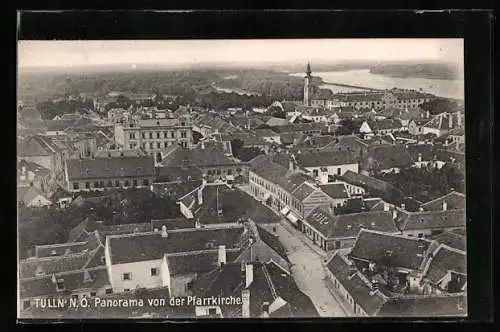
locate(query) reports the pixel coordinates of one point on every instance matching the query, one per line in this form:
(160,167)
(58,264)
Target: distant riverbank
(365,78)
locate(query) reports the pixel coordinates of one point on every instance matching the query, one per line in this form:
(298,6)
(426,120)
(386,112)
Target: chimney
(23,170)
(164,231)
(427,114)
(445,206)
(222,255)
(403,206)
(419,157)
(394,214)
(265,310)
(245,297)
(421,209)
(197,224)
(248,275)
(291,165)
(386,206)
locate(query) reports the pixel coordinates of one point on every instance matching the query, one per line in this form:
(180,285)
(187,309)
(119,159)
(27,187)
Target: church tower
(307,81)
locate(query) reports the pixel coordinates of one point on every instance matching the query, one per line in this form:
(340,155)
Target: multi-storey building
(154,135)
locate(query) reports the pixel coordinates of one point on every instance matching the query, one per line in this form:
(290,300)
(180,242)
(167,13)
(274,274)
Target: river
(363,77)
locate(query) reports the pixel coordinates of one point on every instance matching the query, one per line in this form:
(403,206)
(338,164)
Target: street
(307,268)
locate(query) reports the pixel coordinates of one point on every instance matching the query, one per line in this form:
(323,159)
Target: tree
(348,127)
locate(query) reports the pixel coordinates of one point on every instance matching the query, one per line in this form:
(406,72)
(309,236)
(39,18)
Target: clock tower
(307,81)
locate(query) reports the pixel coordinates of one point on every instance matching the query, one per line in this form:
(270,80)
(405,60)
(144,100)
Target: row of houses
(244,261)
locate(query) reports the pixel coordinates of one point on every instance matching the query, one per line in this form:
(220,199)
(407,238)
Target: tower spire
(308,70)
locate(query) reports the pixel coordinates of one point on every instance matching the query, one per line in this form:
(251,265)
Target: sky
(90,53)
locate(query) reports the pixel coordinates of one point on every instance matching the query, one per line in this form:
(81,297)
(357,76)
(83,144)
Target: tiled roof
(356,285)
(27,194)
(445,260)
(273,242)
(386,156)
(349,225)
(29,268)
(43,286)
(346,143)
(197,157)
(314,142)
(59,249)
(360,96)
(174,223)
(152,123)
(431,219)
(35,146)
(110,167)
(198,262)
(326,158)
(32,167)
(425,306)
(265,133)
(273,122)
(119,153)
(369,183)
(399,251)
(152,246)
(385,124)
(300,127)
(291,137)
(278,174)
(451,239)
(269,281)
(303,191)
(454,200)
(177,173)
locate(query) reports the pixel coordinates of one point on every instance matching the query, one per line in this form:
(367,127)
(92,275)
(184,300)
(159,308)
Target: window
(26,304)
(145,182)
(60,285)
(135,183)
(131,136)
(154,272)
(183,134)
(87,185)
(151,135)
(338,171)
(96,184)
(229,171)
(212,311)
(117,183)
(151,145)
(127,183)
(218,172)
(315,172)
(127,276)
(144,135)
(110,184)
(172,134)
(93,293)
(158,145)
(420,235)
(74,297)
(131,146)
(101,184)
(109,291)
(157,134)
(76,185)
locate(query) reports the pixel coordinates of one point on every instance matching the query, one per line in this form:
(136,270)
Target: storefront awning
(292,217)
(285,210)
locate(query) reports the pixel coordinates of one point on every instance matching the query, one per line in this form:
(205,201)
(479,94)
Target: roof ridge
(64,273)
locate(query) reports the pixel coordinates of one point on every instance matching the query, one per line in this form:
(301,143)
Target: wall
(333,170)
(82,183)
(204,311)
(179,284)
(141,275)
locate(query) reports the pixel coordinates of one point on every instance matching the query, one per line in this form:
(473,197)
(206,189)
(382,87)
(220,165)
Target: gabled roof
(451,239)
(442,121)
(325,158)
(152,246)
(370,183)
(425,306)
(73,280)
(335,190)
(431,219)
(349,225)
(445,260)
(198,262)
(28,194)
(31,267)
(355,283)
(269,283)
(396,250)
(385,124)
(35,146)
(80,169)
(454,200)
(386,156)
(272,242)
